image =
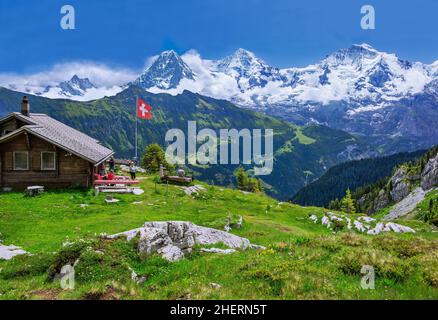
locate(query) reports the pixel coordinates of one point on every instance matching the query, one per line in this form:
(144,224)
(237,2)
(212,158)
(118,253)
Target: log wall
(70,170)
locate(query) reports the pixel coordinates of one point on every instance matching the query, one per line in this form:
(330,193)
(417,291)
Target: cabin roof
(62,136)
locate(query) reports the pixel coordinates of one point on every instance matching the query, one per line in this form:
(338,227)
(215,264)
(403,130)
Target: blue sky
(282,32)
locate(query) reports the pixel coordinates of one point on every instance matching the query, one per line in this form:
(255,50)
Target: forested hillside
(350,175)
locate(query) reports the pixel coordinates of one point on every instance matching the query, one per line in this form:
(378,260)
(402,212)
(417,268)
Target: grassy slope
(304,260)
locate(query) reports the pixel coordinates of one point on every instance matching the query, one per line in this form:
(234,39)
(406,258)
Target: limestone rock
(401,185)
(171,253)
(406,205)
(8,252)
(172,239)
(381,201)
(217,250)
(429,176)
(152,239)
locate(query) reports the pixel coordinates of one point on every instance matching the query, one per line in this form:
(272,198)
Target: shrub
(283,247)
(385,265)
(301,240)
(429,266)
(68,254)
(27,265)
(405,248)
(352,239)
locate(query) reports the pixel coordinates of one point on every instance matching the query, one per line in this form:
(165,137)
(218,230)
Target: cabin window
(48,161)
(21,160)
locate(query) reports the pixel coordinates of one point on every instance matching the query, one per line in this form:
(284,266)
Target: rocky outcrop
(173,239)
(402,184)
(429,176)
(406,190)
(362,224)
(406,205)
(381,201)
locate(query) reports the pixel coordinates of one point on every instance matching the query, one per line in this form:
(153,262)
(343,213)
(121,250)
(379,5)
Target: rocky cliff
(410,181)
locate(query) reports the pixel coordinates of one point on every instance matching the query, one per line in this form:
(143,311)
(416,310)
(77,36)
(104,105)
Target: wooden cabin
(36,149)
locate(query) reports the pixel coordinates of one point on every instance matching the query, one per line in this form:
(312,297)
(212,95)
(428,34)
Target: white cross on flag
(144,111)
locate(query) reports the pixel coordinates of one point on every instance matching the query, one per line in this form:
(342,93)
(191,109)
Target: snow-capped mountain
(80,89)
(357,74)
(166,72)
(249,71)
(357,89)
(73,87)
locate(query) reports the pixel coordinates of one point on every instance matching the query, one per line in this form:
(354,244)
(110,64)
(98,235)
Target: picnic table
(119,184)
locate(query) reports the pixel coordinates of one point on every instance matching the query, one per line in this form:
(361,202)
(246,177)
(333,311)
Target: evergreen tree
(242,178)
(247,183)
(154,156)
(347,203)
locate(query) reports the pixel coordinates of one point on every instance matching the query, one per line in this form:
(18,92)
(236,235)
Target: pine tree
(242,178)
(347,203)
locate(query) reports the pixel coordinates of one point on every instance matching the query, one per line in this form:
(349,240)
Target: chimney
(25,107)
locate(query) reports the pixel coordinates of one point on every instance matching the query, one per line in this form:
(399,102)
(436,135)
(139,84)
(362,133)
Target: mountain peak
(74,87)
(166,72)
(82,83)
(244,53)
(363,46)
(352,55)
(241,61)
(169,54)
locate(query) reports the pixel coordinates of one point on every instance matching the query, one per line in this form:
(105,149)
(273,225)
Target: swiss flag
(144,111)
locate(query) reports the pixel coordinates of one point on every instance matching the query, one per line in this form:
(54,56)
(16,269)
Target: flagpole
(136,128)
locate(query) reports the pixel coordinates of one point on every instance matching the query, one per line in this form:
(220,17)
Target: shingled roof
(61,135)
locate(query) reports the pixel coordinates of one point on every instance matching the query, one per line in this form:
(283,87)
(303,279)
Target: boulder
(172,239)
(152,239)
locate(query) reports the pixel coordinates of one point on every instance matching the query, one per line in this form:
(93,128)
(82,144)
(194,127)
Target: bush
(429,266)
(68,254)
(405,248)
(352,239)
(385,265)
(27,265)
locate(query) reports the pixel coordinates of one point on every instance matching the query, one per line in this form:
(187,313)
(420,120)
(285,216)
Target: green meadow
(302,260)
